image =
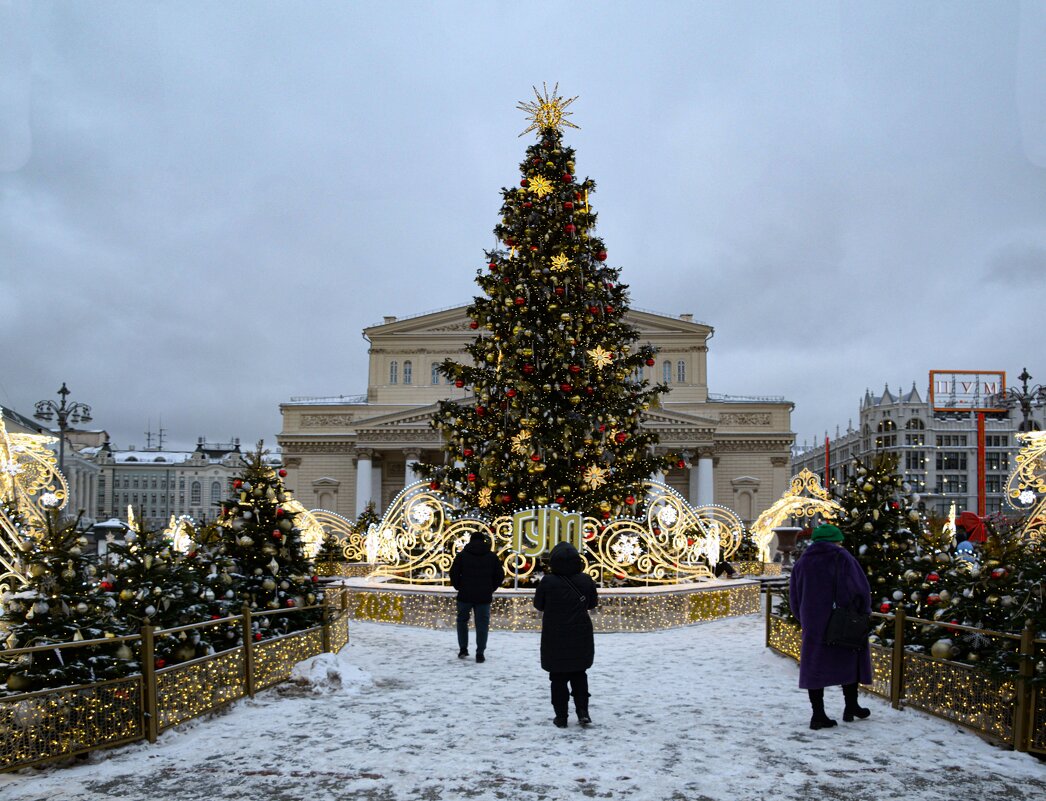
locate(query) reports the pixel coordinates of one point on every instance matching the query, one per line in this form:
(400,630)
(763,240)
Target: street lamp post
(66,413)
(1023,398)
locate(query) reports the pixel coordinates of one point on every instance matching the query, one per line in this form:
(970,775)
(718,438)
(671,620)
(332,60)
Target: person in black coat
(476,573)
(568,647)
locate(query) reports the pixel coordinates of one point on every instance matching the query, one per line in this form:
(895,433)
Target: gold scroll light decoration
(805,498)
(421,532)
(1026,487)
(32,485)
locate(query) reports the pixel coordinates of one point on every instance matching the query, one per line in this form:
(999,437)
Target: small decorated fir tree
(557,392)
(152,583)
(61,603)
(261,536)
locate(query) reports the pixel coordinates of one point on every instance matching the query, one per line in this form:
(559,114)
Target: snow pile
(330,674)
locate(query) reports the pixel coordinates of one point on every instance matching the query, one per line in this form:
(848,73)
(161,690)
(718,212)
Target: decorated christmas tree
(881,523)
(152,583)
(61,603)
(262,538)
(557,392)
(212,568)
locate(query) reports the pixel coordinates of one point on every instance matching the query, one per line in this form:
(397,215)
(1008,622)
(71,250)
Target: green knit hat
(827,533)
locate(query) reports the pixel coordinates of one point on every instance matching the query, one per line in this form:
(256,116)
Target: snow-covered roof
(148,457)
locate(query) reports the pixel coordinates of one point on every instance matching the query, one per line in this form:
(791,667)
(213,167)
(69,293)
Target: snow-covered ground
(699,713)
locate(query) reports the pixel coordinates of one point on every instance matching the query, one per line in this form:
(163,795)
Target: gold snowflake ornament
(540,185)
(594,476)
(547,113)
(521,443)
(484,497)
(560,263)
(601,357)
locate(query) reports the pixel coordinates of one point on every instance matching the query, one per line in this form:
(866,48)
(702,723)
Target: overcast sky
(202,204)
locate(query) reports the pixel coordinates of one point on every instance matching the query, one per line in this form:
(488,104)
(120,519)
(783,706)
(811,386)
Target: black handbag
(847,626)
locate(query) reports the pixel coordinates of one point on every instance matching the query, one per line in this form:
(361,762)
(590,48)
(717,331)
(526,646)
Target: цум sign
(966,390)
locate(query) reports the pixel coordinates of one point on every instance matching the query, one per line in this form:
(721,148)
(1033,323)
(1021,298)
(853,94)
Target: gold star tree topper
(547,112)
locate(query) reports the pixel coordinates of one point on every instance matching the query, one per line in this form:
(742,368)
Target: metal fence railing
(1010,710)
(60,722)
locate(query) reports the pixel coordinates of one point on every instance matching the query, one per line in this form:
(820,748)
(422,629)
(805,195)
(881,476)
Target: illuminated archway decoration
(32,484)
(805,498)
(352,546)
(1026,487)
(422,531)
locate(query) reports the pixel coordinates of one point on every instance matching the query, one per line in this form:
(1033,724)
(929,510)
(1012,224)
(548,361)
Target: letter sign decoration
(967,390)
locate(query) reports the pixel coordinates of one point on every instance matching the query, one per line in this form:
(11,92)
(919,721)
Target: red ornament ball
(237,483)
(589,391)
(535,457)
(558,290)
(932,577)
(520,301)
(282,473)
(290,602)
(315,579)
(492,266)
(471,476)
(568,205)
(468,451)
(106,586)
(630,500)
(998,572)
(569,228)
(606,515)
(481,410)
(567,177)
(602,255)
(574,368)
(257,636)
(608,309)
(473,325)
(279,511)
(566,387)
(621,436)
(680,464)
(459,383)
(160,663)
(276,534)
(506,499)
(528,368)
(527,205)
(433,485)
(884,608)
(933,598)
(560,499)
(649,362)
(524,182)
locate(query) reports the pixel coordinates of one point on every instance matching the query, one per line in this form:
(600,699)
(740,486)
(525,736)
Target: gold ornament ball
(993,600)
(942,649)
(19,682)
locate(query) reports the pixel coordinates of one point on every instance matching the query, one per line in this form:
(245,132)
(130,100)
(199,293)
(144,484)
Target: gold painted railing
(60,722)
(1009,711)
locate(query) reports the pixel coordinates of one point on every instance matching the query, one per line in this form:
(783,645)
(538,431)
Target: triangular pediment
(661,418)
(419,417)
(456,321)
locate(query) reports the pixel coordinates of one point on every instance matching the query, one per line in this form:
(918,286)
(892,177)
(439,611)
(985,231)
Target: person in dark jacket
(568,647)
(824,575)
(476,573)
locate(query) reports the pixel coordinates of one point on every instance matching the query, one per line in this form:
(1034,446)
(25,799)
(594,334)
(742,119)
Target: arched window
(435,372)
(666,372)
(196,494)
(394,372)
(887,425)
(915,423)
(681,371)
(216,491)
(408,372)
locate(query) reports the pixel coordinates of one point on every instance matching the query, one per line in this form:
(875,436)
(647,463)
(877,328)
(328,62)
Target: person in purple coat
(827,573)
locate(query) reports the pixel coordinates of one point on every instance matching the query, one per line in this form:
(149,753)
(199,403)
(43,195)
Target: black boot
(853,709)
(579,685)
(819,720)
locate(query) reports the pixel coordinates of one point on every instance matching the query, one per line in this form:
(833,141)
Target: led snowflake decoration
(560,263)
(521,443)
(11,467)
(547,113)
(667,517)
(49,499)
(421,513)
(540,185)
(626,550)
(594,476)
(601,357)
(1027,497)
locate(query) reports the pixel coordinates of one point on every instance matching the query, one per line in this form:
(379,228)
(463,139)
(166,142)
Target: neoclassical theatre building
(344,452)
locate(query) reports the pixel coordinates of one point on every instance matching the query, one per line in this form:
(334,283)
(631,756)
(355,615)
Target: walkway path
(699,713)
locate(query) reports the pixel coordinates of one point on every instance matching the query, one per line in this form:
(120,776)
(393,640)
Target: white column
(409,476)
(693,493)
(705,482)
(364,485)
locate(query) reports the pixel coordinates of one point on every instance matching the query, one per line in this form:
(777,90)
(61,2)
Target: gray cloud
(218,199)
